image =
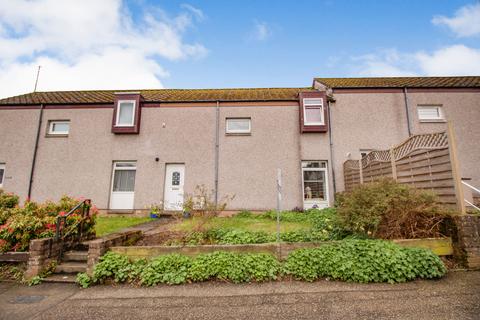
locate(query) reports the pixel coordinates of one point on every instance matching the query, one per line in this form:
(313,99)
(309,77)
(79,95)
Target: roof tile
(400,82)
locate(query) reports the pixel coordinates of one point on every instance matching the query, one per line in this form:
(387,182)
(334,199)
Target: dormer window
(125,113)
(313,112)
(127,109)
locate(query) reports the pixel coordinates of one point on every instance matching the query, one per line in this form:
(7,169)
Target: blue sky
(115,44)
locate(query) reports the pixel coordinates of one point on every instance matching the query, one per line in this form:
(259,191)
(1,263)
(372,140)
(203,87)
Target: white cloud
(453,60)
(89,44)
(385,63)
(197,12)
(261,31)
(465,22)
(449,61)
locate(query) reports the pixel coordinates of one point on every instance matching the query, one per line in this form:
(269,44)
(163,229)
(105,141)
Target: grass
(107,225)
(243,223)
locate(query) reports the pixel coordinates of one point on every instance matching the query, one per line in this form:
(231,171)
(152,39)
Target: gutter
(407,111)
(330,140)
(217,145)
(32,171)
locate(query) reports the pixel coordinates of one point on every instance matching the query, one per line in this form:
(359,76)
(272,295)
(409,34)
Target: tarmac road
(457,296)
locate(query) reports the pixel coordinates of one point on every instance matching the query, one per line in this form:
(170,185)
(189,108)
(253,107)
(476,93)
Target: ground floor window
(2,174)
(123,184)
(314,178)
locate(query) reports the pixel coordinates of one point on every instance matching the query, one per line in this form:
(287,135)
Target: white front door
(123,185)
(315,184)
(174,180)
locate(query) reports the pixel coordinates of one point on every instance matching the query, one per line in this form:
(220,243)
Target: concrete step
(61,278)
(71,267)
(75,255)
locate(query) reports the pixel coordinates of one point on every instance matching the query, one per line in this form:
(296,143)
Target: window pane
(60,127)
(124,180)
(314,185)
(429,113)
(314,164)
(238,125)
(125,164)
(312,102)
(125,113)
(1,175)
(313,114)
(176,178)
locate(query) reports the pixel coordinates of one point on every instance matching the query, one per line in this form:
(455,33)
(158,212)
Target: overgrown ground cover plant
(347,260)
(19,225)
(389,210)
(364,261)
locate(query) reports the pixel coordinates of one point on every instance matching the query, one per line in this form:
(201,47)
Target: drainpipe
(40,117)
(331,148)
(217,144)
(407,111)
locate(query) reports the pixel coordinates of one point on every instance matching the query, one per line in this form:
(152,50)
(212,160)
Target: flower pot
(154,215)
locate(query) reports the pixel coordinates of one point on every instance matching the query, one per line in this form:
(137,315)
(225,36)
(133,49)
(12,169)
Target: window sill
(238,134)
(49,135)
(433,121)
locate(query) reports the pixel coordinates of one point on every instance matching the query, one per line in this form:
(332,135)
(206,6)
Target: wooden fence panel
(422,161)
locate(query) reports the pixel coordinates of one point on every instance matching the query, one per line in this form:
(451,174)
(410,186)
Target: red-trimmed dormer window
(126,114)
(313,112)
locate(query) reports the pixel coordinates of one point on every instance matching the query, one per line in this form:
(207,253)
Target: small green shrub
(364,261)
(35,281)
(244,237)
(234,267)
(244,214)
(169,269)
(7,201)
(83,280)
(112,266)
(388,210)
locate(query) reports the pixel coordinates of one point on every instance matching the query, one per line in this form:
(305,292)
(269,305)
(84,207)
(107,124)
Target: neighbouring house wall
(18,130)
(377,120)
(463,109)
(365,121)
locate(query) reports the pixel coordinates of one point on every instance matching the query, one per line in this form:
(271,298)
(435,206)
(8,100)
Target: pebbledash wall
(360,119)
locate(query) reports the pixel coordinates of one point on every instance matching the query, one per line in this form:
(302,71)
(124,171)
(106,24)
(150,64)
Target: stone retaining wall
(98,247)
(439,246)
(467,240)
(41,253)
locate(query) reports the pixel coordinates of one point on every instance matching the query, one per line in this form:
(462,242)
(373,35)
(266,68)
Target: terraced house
(129,149)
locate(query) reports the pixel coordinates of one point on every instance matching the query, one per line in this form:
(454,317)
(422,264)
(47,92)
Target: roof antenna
(36,81)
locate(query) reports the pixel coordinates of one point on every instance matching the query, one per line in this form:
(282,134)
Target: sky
(142,44)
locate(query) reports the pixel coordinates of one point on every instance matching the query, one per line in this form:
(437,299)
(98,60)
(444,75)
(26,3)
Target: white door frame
(176,205)
(320,203)
(122,200)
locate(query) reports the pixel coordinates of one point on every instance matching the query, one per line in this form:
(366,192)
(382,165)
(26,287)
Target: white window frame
(440,118)
(2,166)
(133,111)
(116,167)
(227,130)
(307,103)
(51,124)
(308,203)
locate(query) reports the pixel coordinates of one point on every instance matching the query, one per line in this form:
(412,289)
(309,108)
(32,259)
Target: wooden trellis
(424,161)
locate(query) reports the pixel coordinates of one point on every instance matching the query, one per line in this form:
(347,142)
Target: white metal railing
(473,189)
